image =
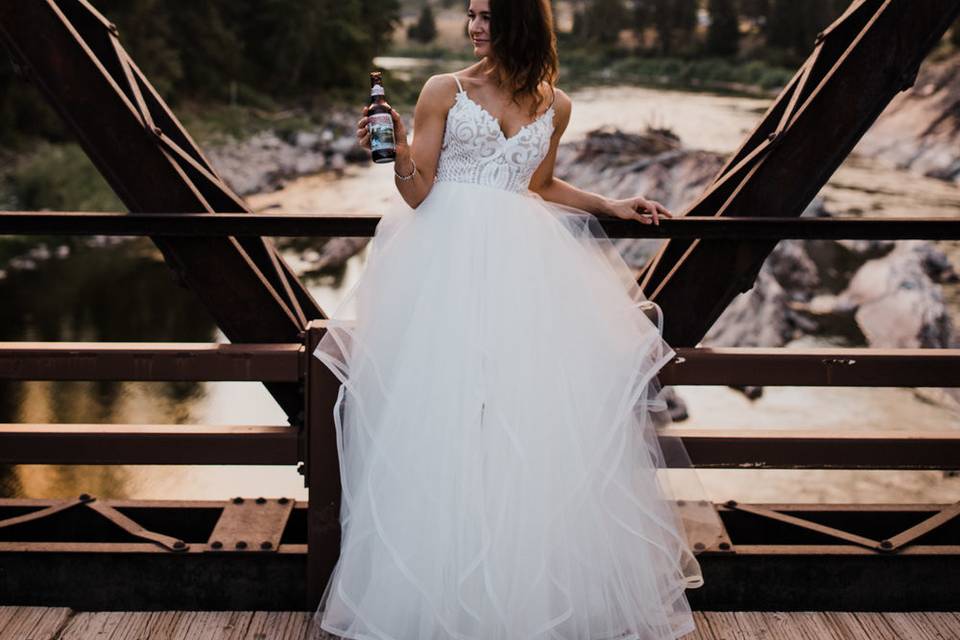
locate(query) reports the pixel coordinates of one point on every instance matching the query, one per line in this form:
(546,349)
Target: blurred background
(663,91)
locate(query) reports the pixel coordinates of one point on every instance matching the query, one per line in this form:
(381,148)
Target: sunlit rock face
(920,128)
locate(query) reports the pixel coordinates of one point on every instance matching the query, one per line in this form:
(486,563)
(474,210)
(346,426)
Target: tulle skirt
(501,470)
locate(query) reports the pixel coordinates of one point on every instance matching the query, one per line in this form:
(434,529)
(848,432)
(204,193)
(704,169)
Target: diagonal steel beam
(859,63)
(73,54)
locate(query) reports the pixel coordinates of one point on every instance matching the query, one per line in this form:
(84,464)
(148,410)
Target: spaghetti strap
(459,86)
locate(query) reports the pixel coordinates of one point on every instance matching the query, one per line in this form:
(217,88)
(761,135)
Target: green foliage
(792,26)
(723,35)
(60,177)
(424,30)
(222,50)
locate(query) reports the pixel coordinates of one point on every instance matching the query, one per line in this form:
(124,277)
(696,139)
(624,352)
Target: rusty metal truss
(249,553)
(859,63)
(74,56)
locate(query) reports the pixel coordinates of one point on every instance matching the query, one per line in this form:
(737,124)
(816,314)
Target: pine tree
(723,35)
(424,30)
(600,21)
(673,20)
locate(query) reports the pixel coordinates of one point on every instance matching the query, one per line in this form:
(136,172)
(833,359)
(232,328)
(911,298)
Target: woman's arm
(429,118)
(556,190)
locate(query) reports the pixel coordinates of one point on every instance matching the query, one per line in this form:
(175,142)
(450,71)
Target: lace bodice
(475,149)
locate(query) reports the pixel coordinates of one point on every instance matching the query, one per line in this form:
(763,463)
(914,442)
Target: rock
(620,164)
(332,254)
(306,139)
(920,128)
(266,160)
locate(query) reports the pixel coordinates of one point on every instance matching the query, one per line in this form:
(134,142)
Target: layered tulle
(501,469)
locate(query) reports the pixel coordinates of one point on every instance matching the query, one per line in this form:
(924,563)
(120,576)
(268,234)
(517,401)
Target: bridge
(66,559)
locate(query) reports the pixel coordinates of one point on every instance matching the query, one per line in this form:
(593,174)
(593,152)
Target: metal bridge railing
(310,440)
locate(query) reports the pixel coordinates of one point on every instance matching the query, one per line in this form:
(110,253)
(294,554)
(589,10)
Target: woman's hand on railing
(638,208)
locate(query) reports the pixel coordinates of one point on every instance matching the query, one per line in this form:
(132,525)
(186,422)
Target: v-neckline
(497,122)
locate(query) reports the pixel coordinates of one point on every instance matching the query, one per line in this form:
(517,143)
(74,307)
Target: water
(124,292)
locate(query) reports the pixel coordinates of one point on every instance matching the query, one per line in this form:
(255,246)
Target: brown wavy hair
(524,46)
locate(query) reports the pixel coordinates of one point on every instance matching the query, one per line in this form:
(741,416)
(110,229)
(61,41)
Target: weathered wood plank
(813,625)
(58,623)
(913,624)
(283,625)
(35,623)
(108,625)
(703,631)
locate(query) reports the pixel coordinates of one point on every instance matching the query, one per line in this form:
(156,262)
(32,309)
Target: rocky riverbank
(266,160)
(920,128)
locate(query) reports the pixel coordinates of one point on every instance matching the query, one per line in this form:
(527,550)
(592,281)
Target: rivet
(179,544)
(261,500)
(699,546)
(886,544)
(724,545)
(84,497)
(266,544)
(241,544)
(283,500)
(238,500)
(680,503)
(731,503)
(216,544)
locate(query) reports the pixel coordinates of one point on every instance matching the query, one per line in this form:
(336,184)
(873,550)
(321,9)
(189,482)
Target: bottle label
(381,132)
(376,90)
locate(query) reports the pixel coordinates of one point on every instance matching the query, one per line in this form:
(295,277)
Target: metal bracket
(700,535)
(250,525)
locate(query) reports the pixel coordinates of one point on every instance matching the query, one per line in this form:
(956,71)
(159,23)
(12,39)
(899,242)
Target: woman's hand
(399,132)
(638,208)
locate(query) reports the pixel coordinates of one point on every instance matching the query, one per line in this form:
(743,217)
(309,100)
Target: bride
(501,472)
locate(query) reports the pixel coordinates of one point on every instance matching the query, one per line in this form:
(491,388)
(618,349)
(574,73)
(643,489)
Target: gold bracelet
(409,177)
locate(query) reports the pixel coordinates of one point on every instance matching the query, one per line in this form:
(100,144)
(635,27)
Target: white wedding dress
(502,477)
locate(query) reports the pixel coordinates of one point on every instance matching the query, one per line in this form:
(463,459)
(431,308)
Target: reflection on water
(125,292)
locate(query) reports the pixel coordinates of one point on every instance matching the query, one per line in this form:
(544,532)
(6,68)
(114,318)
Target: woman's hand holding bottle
(399,134)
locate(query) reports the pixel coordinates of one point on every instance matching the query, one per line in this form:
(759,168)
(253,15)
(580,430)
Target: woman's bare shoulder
(437,93)
(562,103)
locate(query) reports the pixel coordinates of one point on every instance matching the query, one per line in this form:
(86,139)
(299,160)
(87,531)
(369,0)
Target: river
(122,291)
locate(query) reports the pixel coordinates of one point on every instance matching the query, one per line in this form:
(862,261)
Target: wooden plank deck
(55,623)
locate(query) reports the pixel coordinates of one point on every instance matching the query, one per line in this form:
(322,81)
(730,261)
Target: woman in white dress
(501,471)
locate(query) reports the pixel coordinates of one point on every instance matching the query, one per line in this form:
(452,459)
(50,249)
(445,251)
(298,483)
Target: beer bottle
(380,122)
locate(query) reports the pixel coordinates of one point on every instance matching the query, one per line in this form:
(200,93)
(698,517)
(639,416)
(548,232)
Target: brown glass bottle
(380,122)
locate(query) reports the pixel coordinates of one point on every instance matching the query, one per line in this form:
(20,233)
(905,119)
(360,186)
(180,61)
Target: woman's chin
(482,51)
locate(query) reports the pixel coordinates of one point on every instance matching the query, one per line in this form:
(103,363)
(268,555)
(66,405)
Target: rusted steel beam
(819,449)
(73,55)
(322,469)
(147,444)
(770,565)
(827,367)
(278,445)
(858,65)
(154,361)
(364,225)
